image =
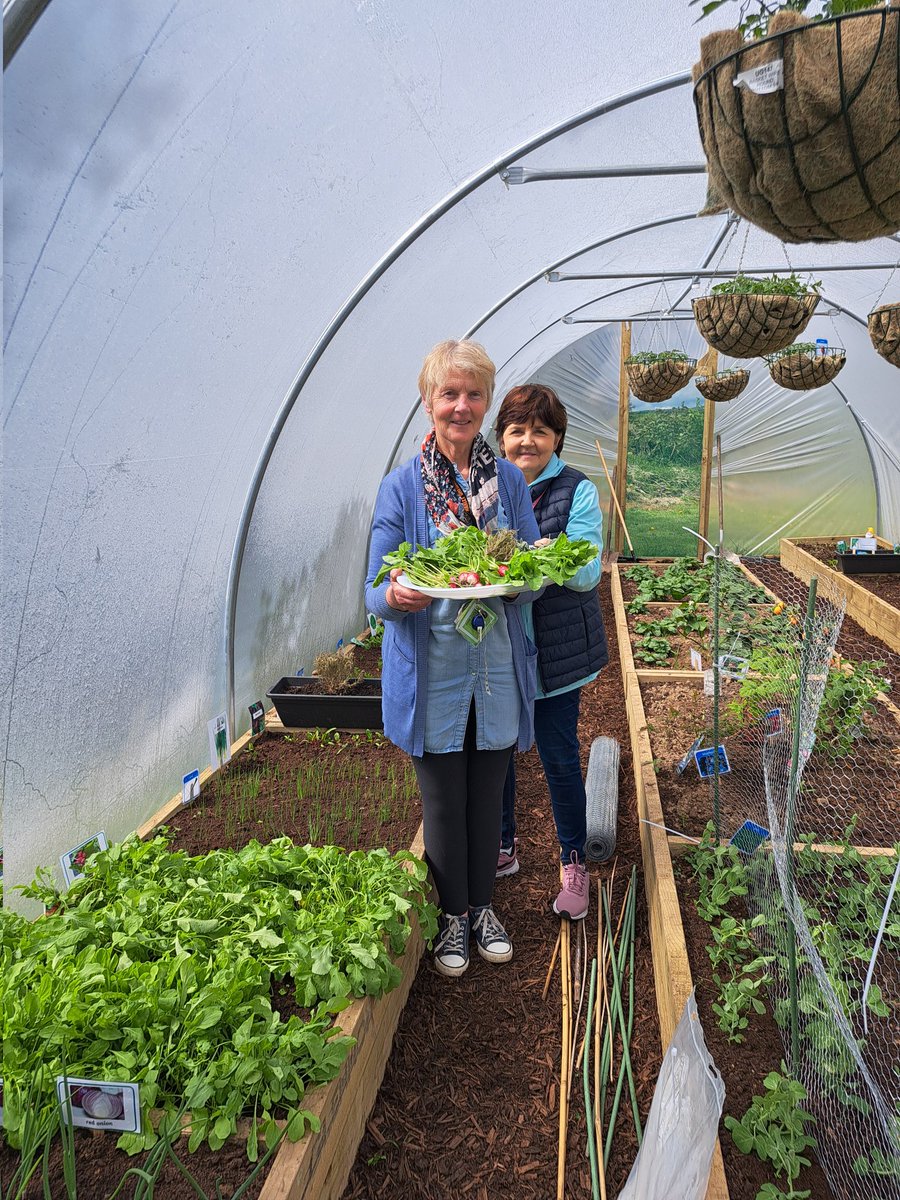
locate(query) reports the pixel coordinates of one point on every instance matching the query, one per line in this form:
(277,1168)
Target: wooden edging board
(671,969)
(875,615)
(318,1166)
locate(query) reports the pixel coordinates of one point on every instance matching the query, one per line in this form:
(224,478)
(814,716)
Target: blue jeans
(556,735)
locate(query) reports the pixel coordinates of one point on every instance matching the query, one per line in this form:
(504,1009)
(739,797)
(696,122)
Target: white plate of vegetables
(463,589)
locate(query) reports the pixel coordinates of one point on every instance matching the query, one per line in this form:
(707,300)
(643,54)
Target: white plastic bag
(676,1154)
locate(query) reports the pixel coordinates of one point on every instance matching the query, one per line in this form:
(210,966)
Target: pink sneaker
(508,859)
(574,898)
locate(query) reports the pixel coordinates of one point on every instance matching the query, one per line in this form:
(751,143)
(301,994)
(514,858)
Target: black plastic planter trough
(879,562)
(297,710)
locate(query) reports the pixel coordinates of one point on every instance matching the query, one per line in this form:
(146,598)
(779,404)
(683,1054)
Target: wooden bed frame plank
(671,969)
(875,615)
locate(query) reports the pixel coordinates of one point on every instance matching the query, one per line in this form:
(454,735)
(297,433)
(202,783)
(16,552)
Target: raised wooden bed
(671,970)
(318,1166)
(875,615)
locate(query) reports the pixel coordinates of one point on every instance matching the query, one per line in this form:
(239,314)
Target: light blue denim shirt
(585,521)
(400,516)
(459,673)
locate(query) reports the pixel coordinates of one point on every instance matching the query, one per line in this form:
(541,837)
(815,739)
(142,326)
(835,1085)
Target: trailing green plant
(157,968)
(850,695)
(808,348)
(774,1129)
(769,285)
(648,357)
(720,873)
(756,14)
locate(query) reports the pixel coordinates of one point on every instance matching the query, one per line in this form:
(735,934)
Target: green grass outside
(658,533)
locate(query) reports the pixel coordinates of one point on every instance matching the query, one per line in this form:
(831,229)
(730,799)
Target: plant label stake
(682,766)
(696,660)
(749,837)
(219,741)
(99,1104)
(709,683)
(75,860)
(705,762)
(732,666)
(772,722)
(190,786)
(257,718)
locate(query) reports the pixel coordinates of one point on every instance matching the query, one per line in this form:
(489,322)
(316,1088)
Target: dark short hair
(532,404)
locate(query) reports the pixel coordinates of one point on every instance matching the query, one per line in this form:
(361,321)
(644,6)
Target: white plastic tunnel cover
(191,196)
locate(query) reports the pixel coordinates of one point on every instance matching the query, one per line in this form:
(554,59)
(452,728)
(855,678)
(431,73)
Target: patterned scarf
(447,504)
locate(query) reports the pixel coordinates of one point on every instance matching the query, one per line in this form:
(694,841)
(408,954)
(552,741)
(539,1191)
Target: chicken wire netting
(804,706)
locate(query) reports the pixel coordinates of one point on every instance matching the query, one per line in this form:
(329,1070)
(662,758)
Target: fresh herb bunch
(769,285)
(463,559)
(647,357)
(158,967)
(756,14)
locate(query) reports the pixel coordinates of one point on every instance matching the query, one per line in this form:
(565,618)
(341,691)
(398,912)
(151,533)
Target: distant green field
(658,533)
(664,452)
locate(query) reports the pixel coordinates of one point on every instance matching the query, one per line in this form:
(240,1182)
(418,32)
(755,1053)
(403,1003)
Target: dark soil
(886,587)
(313,687)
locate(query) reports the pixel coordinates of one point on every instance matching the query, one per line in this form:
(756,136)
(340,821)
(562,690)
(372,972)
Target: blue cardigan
(400,516)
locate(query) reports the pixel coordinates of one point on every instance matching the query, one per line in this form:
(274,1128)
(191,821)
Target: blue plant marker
(749,837)
(705,762)
(772,722)
(340,643)
(300,672)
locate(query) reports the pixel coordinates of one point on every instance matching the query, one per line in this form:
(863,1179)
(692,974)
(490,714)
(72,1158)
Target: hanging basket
(723,386)
(746,326)
(884,330)
(655,382)
(803,370)
(807,146)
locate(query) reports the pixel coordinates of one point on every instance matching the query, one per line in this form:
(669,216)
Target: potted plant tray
(878,562)
(301,704)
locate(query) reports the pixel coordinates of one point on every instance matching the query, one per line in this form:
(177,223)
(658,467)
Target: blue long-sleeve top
(410,648)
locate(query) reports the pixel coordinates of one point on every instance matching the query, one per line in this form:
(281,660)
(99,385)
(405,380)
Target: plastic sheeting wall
(191,193)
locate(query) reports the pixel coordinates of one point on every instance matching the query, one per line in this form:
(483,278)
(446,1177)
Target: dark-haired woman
(566,625)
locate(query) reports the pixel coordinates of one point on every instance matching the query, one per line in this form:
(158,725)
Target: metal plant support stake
(793,787)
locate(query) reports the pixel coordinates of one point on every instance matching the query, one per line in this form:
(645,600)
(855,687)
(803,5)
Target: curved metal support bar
(363,287)
(862,434)
(19,18)
(536,278)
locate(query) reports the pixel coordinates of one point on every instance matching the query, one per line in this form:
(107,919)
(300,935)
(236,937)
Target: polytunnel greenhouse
(301,741)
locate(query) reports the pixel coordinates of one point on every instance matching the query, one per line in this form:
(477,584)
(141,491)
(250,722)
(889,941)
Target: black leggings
(462,794)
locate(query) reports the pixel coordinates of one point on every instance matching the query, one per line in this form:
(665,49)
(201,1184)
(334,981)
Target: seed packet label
(696,660)
(704,760)
(682,765)
(257,717)
(74,861)
(219,741)
(733,666)
(190,786)
(869,544)
(766,78)
(99,1104)
(749,837)
(772,723)
(709,683)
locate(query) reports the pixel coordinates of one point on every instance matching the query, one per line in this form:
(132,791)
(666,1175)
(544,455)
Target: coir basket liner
(884,330)
(814,156)
(805,370)
(655,382)
(746,326)
(724,386)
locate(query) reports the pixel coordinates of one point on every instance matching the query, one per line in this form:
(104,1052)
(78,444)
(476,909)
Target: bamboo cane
(565,1059)
(591,1145)
(614,496)
(598,1123)
(552,965)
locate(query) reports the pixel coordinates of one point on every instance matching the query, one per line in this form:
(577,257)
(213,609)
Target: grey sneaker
(492,940)
(451,950)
